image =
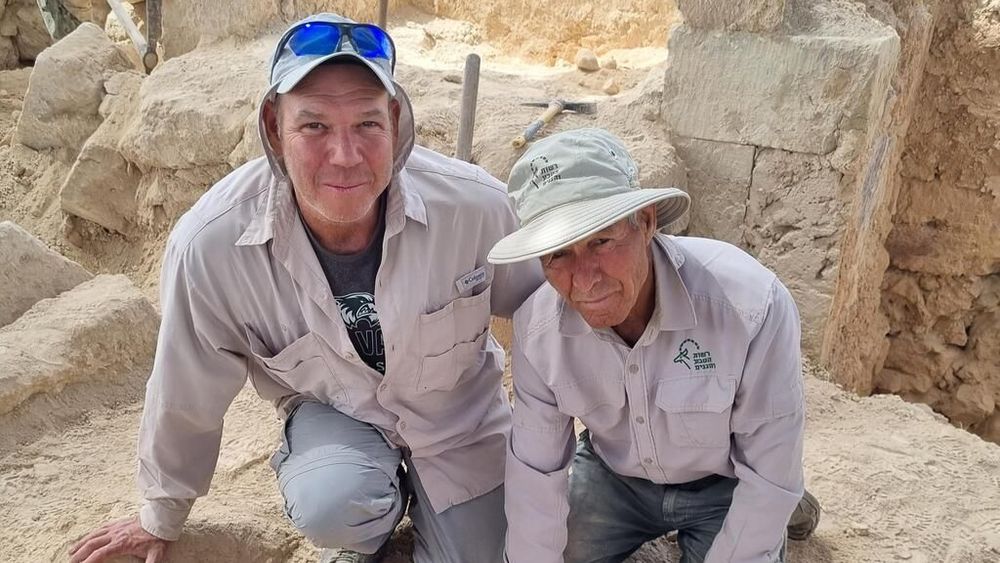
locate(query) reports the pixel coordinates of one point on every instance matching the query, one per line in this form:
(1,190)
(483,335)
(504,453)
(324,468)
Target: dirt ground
(896,481)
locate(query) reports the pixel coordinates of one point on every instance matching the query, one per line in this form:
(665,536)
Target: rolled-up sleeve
(194,379)
(538,458)
(767,427)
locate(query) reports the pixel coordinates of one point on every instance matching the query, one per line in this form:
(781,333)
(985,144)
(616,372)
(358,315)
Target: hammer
(552,109)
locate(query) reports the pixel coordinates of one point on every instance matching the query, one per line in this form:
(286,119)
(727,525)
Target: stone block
(190,22)
(61,107)
(733,15)
(32,38)
(8,53)
(193,108)
(718,176)
(101,186)
(30,272)
(794,223)
(98,331)
(795,93)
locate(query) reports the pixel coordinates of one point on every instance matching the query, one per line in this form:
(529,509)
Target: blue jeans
(611,516)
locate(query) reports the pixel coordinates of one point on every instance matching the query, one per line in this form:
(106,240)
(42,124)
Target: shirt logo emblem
(690,354)
(471,280)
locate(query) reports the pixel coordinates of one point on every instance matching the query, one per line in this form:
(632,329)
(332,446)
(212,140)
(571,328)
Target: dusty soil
(896,482)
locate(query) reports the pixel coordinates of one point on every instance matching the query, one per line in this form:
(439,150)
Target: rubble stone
(101,186)
(205,125)
(30,272)
(61,107)
(586,61)
(99,329)
(31,36)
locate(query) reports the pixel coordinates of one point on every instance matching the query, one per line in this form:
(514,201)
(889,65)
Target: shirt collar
(673,310)
(278,213)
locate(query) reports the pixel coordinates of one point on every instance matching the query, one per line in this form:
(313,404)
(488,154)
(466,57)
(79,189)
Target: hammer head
(576,107)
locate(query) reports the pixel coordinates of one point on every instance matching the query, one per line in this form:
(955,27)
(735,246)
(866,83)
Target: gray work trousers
(344,488)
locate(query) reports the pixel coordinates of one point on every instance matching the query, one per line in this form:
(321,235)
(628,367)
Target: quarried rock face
(733,15)
(942,290)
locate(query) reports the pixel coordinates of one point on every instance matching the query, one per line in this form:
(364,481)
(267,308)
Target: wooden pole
(467,121)
(383,12)
(154,30)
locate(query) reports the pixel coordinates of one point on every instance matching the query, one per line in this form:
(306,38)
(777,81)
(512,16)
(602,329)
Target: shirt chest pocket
(698,409)
(300,366)
(598,402)
(451,341)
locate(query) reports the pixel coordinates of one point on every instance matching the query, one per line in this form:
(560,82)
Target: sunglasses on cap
(327,38)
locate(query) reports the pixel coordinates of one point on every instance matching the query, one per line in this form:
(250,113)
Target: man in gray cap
(345,274)
(679,355)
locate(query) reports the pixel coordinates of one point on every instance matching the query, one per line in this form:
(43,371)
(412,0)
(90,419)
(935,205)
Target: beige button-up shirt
(713,386)
(243,295)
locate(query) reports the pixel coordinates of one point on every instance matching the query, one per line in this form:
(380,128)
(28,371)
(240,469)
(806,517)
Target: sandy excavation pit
(851,146)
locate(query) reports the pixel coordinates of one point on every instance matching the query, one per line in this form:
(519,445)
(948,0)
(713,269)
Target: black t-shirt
(352,281)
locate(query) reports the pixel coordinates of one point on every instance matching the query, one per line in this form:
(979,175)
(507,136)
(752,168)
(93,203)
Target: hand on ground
(123,537)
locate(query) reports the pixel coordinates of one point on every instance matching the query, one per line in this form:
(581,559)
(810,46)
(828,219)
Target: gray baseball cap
(573,184)
(288,69)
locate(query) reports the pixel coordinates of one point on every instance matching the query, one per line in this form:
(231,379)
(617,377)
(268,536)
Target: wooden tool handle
(554,108)
(467,119)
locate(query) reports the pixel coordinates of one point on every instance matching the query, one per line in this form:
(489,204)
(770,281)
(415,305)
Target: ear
(394,112)
(271,125)
(647,219)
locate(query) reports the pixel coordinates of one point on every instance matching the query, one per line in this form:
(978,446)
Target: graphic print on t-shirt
(359,314)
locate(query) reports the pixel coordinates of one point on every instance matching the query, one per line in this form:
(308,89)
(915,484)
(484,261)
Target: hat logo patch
(542,172)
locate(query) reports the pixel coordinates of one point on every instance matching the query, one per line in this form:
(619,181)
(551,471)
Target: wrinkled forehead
(620,230)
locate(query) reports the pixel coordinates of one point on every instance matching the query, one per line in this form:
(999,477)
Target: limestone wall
(776,109)
(853,147)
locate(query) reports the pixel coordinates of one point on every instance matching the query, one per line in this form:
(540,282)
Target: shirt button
(383,387)
(351,356)
(633,368)
(402,425)
(647,461)
(640,420)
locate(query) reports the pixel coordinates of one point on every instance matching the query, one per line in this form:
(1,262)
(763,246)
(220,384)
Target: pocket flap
(696,394)
(461,320)
(302,349)
(585,396)
(443,371)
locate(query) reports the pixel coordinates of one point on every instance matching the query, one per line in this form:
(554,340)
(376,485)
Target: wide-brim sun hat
(572,185)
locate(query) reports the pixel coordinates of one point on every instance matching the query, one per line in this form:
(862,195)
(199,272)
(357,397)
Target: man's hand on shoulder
(122,537)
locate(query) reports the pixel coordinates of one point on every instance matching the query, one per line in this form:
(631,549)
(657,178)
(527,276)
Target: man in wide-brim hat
(680,355)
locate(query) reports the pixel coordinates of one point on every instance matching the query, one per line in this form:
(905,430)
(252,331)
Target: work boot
(346,556)
(805,518)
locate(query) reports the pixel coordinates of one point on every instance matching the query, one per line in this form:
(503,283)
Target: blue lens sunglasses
(326,38)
